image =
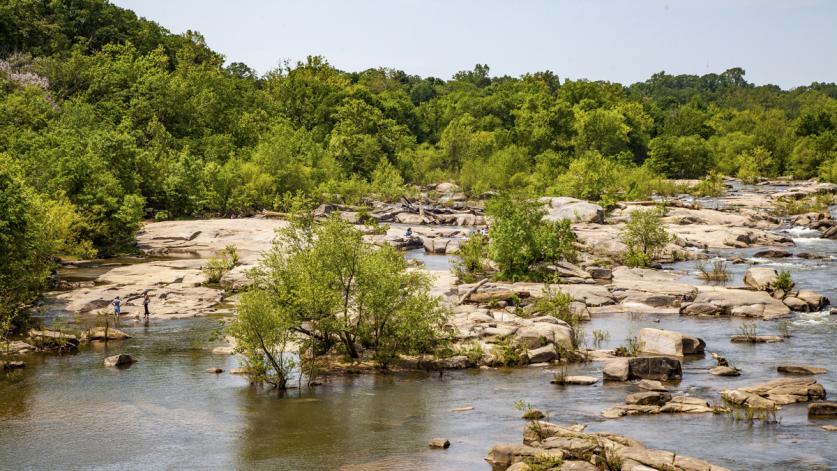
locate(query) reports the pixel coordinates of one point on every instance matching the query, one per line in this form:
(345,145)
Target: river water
(167,412)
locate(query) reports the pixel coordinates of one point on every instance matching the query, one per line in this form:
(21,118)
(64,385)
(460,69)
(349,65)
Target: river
(166,411)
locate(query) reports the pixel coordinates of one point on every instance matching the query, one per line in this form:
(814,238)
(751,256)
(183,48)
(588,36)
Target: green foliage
(509,353)
(471,266)
(783,281)
(646,237)
(339,291)
(33,230)
(520,238)
(543,462)
(713,185)
(717,273)
(110,118)
(220,263)
(600,337)
(748,329)
(263,334)
(473,350)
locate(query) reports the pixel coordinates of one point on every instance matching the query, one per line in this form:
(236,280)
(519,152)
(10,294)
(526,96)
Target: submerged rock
(659,368)
(648,398)
(801,370)
(439,443)
(121,360)
(11,365)
(819,409)
(756,339)
(576,380)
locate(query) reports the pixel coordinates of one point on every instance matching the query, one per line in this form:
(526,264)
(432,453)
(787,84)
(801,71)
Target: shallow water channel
(165,411)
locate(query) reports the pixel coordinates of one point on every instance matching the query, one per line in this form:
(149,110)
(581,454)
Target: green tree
(646,237)
(338,290)
(520,237)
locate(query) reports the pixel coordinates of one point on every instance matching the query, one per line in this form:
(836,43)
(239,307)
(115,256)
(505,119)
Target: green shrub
(783,281)
(520,238)
(470,264)
(220,263)
(646,237)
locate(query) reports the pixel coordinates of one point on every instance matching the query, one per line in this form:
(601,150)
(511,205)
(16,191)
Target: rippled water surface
(165,411)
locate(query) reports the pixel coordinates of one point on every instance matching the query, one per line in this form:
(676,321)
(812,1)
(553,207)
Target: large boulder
(659,368)
(565,208)
(742,302)
(760,278)
(669,342)
(814,300)
(542,333)
(616,369)
(776,392)
(542,355)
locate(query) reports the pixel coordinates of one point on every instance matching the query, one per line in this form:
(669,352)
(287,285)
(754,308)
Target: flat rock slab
(725,371)
(652,385)
(577,380)
(801,370)
(820,409)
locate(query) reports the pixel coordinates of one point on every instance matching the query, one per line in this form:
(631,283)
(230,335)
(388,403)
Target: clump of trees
(321,286)
(116,119)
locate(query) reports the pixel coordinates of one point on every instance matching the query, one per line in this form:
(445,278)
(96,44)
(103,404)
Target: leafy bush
(470,264)
(519,237)
(719,273)
(783,281)
(220,263)
(342,293)
(646,237)
(508,352)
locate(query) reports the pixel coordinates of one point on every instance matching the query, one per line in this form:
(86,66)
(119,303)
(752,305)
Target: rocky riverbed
(677,318)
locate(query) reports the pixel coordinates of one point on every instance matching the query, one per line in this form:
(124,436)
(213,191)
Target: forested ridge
(108,119)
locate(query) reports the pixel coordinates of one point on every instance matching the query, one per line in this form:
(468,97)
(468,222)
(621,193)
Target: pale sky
(787,43)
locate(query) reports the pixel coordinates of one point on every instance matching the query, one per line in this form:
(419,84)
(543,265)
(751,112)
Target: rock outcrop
(646,367)
(775,393)
(578,450)
(669,342)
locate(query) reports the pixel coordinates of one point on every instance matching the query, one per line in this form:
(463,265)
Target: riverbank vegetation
(322,287)
(107,119)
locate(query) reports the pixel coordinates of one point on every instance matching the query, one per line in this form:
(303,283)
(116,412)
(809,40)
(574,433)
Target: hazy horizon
(781,43)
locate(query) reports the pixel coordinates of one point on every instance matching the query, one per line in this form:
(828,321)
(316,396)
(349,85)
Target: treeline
(110,119)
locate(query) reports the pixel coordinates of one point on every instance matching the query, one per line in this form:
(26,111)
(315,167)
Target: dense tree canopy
(121,120)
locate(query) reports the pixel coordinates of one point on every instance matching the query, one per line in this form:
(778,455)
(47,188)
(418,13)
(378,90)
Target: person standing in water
(117,306)
(145,301)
